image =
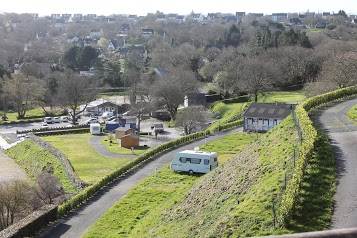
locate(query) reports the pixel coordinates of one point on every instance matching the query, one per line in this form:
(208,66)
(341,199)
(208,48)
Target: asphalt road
(343,136)
(80,220)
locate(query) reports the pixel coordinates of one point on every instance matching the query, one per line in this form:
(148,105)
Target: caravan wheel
(190,172)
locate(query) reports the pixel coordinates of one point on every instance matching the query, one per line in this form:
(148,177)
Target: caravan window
(182,160)
(195,161)
(206,162)
(214,159)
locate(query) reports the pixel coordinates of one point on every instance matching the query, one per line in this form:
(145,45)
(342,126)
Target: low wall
(72,176)
(341,233)
(31,225)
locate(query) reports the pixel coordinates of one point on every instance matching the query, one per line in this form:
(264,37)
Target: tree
(256,77)
(81,58)
(14,199)
(171,89)
(48,187)
(75,90)
(191,119)
(23,92)
(233,36)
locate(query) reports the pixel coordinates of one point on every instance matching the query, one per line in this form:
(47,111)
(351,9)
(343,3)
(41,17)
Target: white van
(194,161)
(107,114)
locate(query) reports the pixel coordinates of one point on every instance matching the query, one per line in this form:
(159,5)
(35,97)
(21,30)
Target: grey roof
(268,110)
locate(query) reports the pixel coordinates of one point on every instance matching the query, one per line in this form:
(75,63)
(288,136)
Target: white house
(96,33)
(261,117)
(98,107)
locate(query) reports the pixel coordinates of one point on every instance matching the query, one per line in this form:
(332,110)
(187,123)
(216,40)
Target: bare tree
(256,77)
(23,92)
(75,90)
(191,119)
(171,89)
(48,187)
(14,201)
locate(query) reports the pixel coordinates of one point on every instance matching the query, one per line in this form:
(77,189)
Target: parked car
(44,126)
(107,114)
(56,120)
(91,120)
(48,120)
(64,119)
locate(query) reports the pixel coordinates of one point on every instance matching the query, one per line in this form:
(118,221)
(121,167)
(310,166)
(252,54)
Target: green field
(114,148)
(154,194)
(33,159)
(86,162)
(352,114)
(295,96)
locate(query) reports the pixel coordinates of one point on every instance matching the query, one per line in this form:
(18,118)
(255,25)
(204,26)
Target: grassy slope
(236,199)
(87,163)
(352,114)
(295,96)
(154,194)
(34,158)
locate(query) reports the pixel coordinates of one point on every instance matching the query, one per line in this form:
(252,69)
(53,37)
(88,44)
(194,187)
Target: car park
(56,120)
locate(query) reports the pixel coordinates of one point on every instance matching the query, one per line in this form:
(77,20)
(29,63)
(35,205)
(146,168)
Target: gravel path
(80,220)
(9,169)
(100,148)
(343,136)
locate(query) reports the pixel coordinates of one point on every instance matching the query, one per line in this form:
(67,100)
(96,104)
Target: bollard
(156,172)
(132,150)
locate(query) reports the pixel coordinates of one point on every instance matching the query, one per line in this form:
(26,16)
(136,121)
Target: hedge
(308,144)
(62,132)
(63,128)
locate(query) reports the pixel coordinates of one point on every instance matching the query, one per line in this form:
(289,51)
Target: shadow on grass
(315,207)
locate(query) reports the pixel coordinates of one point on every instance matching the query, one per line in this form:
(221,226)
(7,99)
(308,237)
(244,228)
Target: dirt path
(80,220)
(343,135)
(9,169)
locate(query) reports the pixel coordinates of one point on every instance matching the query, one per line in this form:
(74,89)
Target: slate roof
(268,110)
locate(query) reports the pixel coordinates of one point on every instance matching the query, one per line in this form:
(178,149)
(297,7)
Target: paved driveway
(80,220)
(343,135)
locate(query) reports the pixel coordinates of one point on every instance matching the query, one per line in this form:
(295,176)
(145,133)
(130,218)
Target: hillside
(236,199)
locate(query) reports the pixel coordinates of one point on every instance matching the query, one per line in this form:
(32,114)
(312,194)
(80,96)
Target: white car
(64,119)
(91,120)
(44,125)
(48,120)
(56,120)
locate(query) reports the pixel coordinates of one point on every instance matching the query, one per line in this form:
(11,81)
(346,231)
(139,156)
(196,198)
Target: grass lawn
(295,96)
(87,163)
(114,148)
(33,158)
(154,194)
(352,114)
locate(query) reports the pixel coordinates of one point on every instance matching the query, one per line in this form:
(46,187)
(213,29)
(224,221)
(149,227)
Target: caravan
(194,161)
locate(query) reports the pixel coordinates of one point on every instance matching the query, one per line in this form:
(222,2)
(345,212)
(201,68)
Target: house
(66,16)
(132,17)
(34,15)
(78,16)
(147,32)
(195,99)
(15,23)
(96,33)
(172,16)
(161,18)
(89,17)
(56,16)
(98,107)
(240,16)
(321,25)
(125,27)
(196,17)
(129,141)
(109,20)
(354,21)
(231,19)
(112,45)
(326,15)
(160,71)
(59,23)
(279,17)
(180,19)
(261,117)
(123,131)
(295,21)
(257,14)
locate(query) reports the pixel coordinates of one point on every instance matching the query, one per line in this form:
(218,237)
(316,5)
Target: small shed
(123,131)
(94,128)
(128,141)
